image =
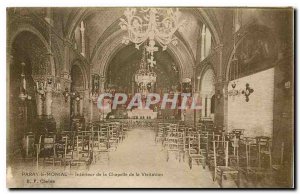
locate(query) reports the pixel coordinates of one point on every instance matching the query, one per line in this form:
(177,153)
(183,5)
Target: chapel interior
(239,62)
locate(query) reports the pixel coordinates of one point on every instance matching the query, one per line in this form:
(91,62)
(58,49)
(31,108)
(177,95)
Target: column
(66,66)
(81,106)
(75,104)
(82,38)
(207,41)
(91,110)
(202,43)
(48,101)
(225,104)
(102,82)
(39,104)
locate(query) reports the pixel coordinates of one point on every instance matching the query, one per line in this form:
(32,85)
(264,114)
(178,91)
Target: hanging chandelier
(151,25)
(145,77)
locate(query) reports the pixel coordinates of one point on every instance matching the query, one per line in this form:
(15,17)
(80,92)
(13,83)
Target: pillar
(220,87)
(48,101)
(81,106)
(225,104)
(66,66)
(91,110)
(203,43)
(39,104)
(82,29)
(102,83)
(75,104)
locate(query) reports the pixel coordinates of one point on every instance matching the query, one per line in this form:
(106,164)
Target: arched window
(205,42)
(207,94)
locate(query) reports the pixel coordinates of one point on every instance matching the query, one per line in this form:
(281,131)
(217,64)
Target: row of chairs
(226,154)
(74,148)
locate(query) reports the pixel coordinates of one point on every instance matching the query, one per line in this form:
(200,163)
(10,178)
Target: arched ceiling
(29,49)
(125,63)
(102,22)
(98,22)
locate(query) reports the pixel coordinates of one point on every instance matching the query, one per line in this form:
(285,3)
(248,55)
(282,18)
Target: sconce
(42,93)
(94,94)
(233,92)
(42,86)
(66,94)
(75,95)
(46,84)
(233,85)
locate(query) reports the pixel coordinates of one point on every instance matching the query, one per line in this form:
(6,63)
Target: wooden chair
(173,144)
(264,150)
(28,147)
(281,170)
(114,136)
(46,150)
(159,137)
(64,148)
(101,144)
(234,140)
(221,164)
(170,128)
(125,130)
(264,166)
(195,153)
(82,153)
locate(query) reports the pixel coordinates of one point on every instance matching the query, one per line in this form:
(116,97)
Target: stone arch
(207,92)
(241,36)
(207,66)
(25,27)
(74,19)
(113,44)
(80,66)
(206,17)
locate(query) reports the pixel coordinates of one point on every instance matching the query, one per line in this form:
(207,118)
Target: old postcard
(149,97)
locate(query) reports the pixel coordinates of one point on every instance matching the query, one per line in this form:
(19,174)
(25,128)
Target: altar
(142,114)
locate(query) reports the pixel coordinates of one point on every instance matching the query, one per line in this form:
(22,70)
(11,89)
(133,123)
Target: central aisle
(138,153)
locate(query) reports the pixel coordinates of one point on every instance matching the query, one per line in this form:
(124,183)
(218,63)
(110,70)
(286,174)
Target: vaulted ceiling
(100,23)
(126,62)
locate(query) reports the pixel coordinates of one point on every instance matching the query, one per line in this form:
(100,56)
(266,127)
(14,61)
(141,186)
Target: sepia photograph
(150,97)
